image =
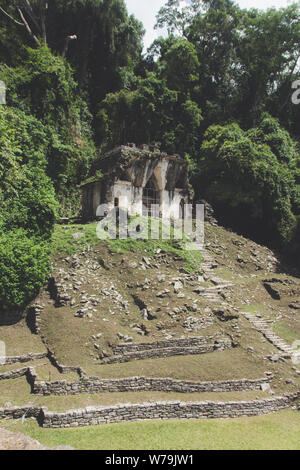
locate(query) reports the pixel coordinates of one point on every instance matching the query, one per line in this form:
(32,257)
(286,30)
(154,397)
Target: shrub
(24,268)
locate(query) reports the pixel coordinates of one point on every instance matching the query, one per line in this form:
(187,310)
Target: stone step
(263,326)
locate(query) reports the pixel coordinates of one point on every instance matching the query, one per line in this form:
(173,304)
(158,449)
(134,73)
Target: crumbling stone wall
(13,374)
(16,412)
(27,358)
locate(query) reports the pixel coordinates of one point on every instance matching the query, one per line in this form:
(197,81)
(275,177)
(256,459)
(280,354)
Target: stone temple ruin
(135,178)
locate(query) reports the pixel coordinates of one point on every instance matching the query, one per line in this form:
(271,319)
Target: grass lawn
(272,432)
(64,243)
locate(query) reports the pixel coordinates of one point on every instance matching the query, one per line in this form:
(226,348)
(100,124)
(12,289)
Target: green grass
(226,365)
(288,332)
(64,243)
(278,431)
(192,258)
(169,239)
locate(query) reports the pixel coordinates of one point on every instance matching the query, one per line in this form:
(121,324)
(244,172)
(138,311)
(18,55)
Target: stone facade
(133,178)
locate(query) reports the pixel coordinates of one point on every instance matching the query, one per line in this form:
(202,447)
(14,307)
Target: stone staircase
(208,263)
(263,327)
(212,293)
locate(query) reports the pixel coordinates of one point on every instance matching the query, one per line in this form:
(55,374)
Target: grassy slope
(273,432)
(77,348)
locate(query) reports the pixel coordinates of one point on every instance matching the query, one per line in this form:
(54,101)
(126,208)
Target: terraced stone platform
(175,347)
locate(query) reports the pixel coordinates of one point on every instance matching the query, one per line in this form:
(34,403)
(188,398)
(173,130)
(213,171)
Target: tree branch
(28,27)
(15,21)
(31,15)
(43,8)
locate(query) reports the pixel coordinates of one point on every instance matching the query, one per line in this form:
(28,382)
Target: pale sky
(146,11)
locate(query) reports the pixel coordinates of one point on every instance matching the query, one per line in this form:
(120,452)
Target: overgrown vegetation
(217,90)
(28,208)
(263,162)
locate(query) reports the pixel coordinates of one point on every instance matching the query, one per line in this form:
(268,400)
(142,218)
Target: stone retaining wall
(146,411)
(27,358)
(64,369)
(13,374)
(203,348)
(161,410)
(182,342)
(17,412)
(130,384)
(134,384)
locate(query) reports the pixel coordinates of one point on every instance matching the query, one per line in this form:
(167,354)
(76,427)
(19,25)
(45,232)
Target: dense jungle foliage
(217,90)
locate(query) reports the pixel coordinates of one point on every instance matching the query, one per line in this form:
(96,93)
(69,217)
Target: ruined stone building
(136,177)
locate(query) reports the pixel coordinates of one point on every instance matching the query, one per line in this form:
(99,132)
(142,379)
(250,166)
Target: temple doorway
(151,197)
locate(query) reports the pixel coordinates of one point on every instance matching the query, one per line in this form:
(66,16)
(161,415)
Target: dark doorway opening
(151,197)
(182,209)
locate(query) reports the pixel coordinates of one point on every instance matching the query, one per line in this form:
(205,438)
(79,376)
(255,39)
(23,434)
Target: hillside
(122,318)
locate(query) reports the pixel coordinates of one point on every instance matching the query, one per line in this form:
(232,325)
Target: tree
(43,86)
(269,56)
(26,193)
(109,41)
(31,16)
(150,112)
(253,187)
(28,209)
(248,58)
